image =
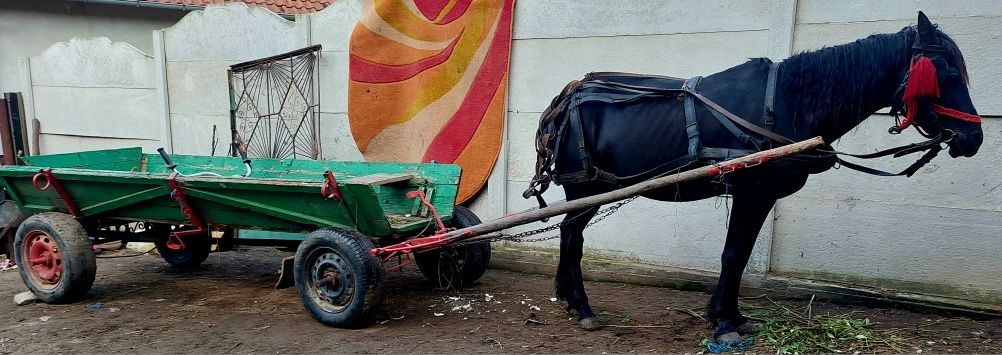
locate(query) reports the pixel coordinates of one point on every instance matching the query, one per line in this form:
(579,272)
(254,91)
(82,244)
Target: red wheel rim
(44,259)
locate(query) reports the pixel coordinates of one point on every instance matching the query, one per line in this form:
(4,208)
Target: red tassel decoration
(922,84)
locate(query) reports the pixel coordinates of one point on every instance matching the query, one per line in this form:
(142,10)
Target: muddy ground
(230,306)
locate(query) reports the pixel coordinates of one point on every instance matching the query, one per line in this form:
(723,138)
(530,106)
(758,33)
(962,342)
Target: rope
(730,346)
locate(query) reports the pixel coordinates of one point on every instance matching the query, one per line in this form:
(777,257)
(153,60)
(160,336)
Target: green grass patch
(799,331)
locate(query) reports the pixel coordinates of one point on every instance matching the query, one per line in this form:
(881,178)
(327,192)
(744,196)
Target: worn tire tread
(354,247)
(79,263)
(477,260)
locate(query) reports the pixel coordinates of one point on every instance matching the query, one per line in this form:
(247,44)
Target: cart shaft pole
(638,189)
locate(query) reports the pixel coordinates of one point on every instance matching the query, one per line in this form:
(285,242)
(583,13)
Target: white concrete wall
(93,94)
(937,232)
(331,28)
(28,27)
(199,49)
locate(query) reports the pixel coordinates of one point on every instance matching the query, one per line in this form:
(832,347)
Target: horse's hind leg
(747,217)
(569,281)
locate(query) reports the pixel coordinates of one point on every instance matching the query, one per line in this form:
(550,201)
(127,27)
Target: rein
(932,147)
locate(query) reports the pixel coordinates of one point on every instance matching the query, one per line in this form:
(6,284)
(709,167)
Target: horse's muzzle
(966,145)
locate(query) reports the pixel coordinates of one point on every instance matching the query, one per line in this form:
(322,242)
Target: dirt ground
(230,306)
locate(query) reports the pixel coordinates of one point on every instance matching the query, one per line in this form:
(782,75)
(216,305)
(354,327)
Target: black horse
(614,129)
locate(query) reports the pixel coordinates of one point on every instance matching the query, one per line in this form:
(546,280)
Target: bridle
(918,90)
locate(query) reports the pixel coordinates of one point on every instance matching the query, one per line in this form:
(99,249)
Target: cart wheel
(10,218)
(196,250)
(337,280)
(460,265)
(55,257)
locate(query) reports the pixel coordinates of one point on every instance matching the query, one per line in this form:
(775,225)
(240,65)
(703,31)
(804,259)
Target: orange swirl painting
(428,81)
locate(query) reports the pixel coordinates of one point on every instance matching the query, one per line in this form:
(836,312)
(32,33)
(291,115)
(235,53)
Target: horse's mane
(822,82)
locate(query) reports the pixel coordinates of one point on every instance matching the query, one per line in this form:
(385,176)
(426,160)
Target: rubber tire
(366,269)
(10,214)
(194,254)
(442,266)
(79,265)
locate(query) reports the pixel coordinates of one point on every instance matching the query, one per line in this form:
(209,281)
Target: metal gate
(275,105)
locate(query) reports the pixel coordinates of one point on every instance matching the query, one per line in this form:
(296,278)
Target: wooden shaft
(641,188)
(36,131)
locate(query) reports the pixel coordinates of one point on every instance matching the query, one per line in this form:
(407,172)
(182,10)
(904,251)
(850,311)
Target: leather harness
(599,87)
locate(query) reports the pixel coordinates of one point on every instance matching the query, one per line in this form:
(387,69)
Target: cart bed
(280,195)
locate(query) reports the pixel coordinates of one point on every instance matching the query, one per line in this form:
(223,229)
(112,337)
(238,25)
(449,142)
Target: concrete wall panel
(94,88)
(336,140)
(918,248)
(193,134)
(56,143)
(541,67)
(29,27)
(562,19)
(822,11)
(199,88)
(232,31)
(200,48)
(98,112)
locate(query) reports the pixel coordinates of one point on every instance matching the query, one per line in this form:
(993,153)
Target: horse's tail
(546,141)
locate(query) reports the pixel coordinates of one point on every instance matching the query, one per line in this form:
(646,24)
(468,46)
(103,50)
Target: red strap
(963,116)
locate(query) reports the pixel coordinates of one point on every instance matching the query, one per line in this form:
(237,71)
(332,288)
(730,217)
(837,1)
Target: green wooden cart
(190,205)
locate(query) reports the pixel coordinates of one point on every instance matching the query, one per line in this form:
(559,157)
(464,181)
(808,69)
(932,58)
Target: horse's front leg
(747,217)
(569,280)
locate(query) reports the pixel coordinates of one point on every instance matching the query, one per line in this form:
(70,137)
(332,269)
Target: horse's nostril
(979,137)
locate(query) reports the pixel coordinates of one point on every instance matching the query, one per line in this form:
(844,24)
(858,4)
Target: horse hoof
(589,324)
(747,328)
(729,338)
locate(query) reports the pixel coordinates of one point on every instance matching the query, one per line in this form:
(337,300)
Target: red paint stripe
(365,71)
(456,134)
(456,12)
(431,8)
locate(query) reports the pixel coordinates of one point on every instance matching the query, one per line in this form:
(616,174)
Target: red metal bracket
(174,242)
(330,188)
(50,180)
(420,194)
(416,245)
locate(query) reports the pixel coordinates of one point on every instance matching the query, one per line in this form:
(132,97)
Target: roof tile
(285,7)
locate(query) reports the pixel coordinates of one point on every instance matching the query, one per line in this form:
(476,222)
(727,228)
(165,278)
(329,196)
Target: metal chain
(521,237)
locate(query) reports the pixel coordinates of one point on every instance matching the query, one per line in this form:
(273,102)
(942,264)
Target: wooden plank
(16,112)
(379,179)
(264,209)
(365,206)
(126,200)
(305,169)
(270,235)
(124,159)
(6,141)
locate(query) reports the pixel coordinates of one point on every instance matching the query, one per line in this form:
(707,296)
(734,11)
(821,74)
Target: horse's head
(934,94)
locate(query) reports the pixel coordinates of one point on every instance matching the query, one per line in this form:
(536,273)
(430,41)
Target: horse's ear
(926,31)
